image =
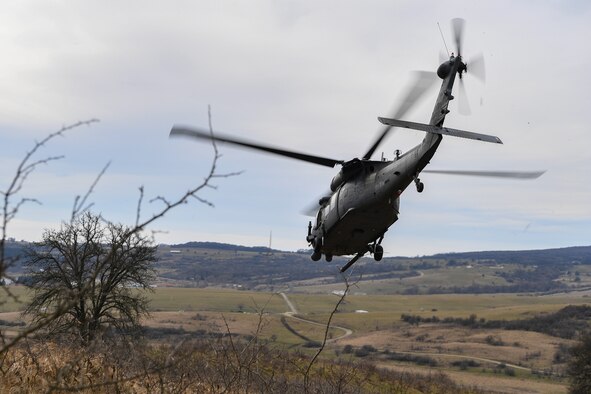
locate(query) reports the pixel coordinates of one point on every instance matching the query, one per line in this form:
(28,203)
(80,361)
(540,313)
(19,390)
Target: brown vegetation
(205,366)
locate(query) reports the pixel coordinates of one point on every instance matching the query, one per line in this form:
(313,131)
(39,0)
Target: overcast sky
(311,76)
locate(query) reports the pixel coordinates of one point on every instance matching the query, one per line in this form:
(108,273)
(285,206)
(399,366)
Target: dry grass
(204,367)
(490,383)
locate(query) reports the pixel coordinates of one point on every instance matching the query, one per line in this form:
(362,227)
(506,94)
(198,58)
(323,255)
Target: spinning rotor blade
(473,67)
(423,80)
(457,25)
(476,67)
(312,208)
(206,135)
(492,174)
(463,105)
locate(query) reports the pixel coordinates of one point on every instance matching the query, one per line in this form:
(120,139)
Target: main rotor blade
(493,174)
(458,30)
(423,81)
(312,208)
(206,135)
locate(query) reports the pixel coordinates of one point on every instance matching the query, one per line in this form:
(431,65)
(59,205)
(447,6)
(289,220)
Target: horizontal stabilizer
(441,130)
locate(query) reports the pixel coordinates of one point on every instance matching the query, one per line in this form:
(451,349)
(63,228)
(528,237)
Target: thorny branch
(79,203)
(26,166)
(323,344)
(191,193)
(80,206)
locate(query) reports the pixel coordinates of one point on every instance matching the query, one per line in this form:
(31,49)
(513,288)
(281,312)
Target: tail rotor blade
(458,32)
(463,105)
(476,67)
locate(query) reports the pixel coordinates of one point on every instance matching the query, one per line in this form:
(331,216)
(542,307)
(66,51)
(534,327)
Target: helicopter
(364,198)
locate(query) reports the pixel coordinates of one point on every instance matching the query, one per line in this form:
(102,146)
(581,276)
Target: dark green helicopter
(365,194)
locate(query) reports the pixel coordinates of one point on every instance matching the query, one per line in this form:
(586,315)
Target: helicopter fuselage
(365,204)
(363,208)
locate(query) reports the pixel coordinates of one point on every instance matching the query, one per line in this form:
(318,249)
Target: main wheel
(378,253)
(420,187)
(317,247)
(328,257)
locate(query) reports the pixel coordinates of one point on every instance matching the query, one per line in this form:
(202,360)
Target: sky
(311,76)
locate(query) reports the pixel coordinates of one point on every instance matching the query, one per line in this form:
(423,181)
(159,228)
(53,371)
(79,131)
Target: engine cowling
(337,181)
(349,170)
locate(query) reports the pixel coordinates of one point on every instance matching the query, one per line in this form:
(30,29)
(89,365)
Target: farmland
(440,313)
(530,356)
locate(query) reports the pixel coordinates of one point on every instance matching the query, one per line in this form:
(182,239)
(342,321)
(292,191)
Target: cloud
(309,76)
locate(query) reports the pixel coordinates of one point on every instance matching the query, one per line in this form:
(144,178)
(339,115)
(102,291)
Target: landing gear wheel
(328,257)
(378,253)
(420,186)
(317,247)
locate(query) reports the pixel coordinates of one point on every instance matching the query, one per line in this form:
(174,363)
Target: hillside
(203,264)
(206,264)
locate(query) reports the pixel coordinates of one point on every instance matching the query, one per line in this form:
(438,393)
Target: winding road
(293,311)
(347,332)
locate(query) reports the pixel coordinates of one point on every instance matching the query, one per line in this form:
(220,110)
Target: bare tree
(81,205)
(95,268)
(12,201)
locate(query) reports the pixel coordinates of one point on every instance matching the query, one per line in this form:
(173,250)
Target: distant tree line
(223,246)
(522,280)
(568,322)
(526,287)
(580,254)
(251,269)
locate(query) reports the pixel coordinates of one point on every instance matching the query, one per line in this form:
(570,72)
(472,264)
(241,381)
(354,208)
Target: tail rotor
(474,66)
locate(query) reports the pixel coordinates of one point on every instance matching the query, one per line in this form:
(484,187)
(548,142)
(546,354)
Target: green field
(489,306)
(460,276)
(13,298)
(215,300)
